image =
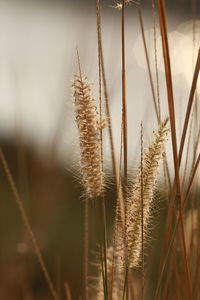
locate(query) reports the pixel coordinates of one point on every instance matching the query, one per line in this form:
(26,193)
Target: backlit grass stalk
(90,146)
(105,89)
(156,58)
(98,24)
(142,204)
(124,104)
(156,105)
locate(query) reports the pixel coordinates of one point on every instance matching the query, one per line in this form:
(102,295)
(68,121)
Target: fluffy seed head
(89,135)
(152,159)
(133,226)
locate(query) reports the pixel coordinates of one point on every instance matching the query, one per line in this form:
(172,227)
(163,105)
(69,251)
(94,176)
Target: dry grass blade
(155,102)
(124,105)
(148,64)
(191,125)
(156,58)
(193,173)
(163,28)
(27,225)
(191,178)
(196,147)
(108,115)
(185,127)
(86,249)
(67,291)
(98,20)
(142,208)
(124,118)
(189,107)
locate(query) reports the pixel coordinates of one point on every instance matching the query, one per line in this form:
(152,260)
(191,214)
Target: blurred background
(38,41)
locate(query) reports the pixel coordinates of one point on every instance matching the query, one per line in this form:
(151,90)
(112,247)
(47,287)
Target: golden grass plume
(131,236)
(89,136)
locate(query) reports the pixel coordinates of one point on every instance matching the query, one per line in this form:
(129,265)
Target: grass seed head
(133,226)
(89,135)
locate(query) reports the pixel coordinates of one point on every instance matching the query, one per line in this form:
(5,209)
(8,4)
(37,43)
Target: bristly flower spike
(133,232)
(89,135)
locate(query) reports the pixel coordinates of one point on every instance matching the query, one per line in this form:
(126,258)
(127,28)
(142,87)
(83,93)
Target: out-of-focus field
(52,197)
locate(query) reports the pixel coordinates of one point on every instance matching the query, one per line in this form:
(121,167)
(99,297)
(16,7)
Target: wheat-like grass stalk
(89,134)
(133,234)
